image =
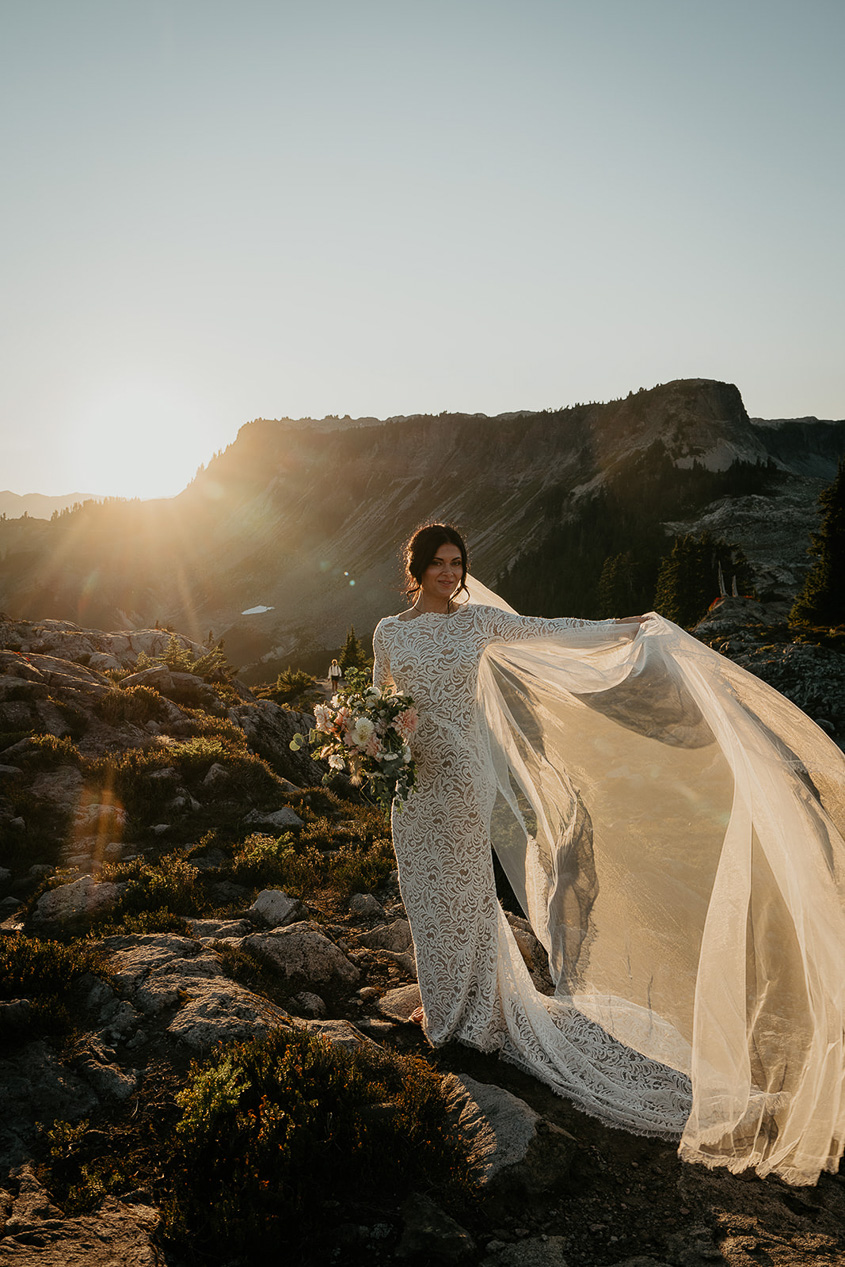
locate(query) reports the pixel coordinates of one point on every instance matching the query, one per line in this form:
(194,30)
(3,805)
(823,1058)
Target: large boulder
(276,908)
(304,957)
(82,898)
(514,1149)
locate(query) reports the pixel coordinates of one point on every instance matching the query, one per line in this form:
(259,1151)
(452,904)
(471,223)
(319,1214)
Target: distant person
(335,674)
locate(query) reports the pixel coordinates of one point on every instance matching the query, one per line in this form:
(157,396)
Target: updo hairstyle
(420,550)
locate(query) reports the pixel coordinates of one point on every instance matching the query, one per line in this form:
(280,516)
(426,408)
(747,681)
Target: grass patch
(279,1133)
(146,797)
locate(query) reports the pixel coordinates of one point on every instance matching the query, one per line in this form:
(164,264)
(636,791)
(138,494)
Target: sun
(137,437)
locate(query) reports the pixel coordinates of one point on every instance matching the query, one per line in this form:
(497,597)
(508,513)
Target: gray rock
(157,677)
(37,1231)
(217,929)
(366,905)
(132,958)
(109,1081)
(341,1033)
(394,936)
(83,897)
(302,955)
(693,1247)
(403,959)
(103,817)
(277,909)
(513,1148)
(223,1011)
(15,1016)
(60,788)
(432,1236)
(398,1004)
(217,774)
(281,819)
(541,1251)
(101,661)
(169,984)
(307,1004)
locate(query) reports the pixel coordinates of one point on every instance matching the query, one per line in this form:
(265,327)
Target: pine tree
(688,580)
(617,585)
(353,655)
(822,600)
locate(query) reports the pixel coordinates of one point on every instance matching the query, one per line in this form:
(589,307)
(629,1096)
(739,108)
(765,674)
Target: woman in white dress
(672,829)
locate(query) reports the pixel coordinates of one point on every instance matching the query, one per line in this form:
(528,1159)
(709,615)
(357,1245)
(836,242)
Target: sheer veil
(673,829)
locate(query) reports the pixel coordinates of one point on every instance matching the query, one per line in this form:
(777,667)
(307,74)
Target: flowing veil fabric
(673,828)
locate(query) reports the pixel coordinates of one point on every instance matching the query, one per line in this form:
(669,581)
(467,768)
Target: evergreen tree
(618,585)
(353,655)
(688,580)
(822,600)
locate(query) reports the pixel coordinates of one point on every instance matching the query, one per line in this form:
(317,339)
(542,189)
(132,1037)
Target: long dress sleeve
(381,661)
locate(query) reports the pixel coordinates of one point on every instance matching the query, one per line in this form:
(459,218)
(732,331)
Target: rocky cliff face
(305,523)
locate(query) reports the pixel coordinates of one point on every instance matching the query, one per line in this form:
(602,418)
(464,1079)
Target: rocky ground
(176,883)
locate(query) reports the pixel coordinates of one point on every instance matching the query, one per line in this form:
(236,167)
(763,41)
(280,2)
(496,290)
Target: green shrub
(277,1133)
(251,782)
(211,667)
(294,687)
(47,752)
(43,972)
(135,704)
(362,869)
(157,895)
(79,1183)
(264,860)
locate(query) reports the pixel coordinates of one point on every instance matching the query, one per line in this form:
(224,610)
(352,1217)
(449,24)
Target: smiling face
(443,575)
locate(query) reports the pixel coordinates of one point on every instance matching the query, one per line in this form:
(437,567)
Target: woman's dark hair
(421,548)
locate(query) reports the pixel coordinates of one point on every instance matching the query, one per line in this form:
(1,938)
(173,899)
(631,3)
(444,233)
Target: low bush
(80,1182)
(157,895)
(46,752)
(282,1135)
(264,860)
(43,972)
(136,705)
(146,798)
(293,687)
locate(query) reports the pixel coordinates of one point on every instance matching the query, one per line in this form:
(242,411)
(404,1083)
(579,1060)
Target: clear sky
(219,211)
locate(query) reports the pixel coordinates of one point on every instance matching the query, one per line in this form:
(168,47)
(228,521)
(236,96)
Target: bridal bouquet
(367,733)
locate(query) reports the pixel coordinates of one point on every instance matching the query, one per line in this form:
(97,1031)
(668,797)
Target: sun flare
(137,438)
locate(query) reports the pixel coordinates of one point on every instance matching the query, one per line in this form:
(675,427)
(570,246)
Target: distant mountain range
(37,505)
(303,523)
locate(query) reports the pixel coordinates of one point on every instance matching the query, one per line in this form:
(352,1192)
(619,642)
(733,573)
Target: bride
(672,829)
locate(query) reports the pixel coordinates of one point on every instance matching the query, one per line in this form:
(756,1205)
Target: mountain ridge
(307,522)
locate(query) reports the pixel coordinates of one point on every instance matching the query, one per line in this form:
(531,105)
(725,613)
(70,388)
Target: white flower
(336,761)
(323,718)
(361,731)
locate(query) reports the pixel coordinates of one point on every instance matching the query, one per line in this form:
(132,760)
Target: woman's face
(443,575)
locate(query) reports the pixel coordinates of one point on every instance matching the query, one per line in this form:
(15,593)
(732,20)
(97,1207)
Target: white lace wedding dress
(673,853)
